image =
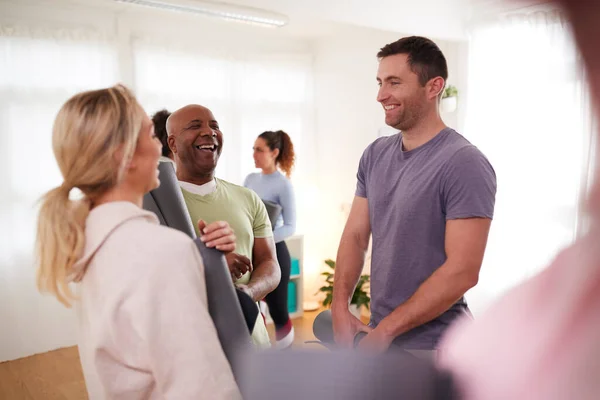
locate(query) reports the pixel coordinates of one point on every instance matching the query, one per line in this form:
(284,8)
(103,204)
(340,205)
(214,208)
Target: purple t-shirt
(411,195)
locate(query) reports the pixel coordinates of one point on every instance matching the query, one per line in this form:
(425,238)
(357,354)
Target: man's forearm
(435,296)
(349,264)
(264,280)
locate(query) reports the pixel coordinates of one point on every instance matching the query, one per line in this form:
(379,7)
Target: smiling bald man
(197,142)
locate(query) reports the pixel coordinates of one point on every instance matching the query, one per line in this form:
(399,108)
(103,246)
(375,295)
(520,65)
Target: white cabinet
(296,247)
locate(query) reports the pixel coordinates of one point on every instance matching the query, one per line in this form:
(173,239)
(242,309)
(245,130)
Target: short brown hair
(424,57)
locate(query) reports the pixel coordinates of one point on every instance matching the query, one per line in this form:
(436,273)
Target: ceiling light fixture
(229,12)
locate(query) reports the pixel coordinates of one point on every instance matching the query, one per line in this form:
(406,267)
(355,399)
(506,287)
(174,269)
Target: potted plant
(360,298)
(449,98)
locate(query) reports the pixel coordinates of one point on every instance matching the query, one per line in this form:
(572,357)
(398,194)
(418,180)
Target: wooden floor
(53,375)
(57,375)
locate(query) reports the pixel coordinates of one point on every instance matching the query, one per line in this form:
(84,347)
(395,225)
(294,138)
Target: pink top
(144,327)
(539,341)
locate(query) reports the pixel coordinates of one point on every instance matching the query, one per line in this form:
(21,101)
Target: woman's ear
(276,153)
(118,156)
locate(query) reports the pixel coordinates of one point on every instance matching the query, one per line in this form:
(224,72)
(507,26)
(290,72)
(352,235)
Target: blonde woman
(144,327)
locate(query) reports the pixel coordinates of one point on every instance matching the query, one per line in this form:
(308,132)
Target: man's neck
(196,180)
(421,133)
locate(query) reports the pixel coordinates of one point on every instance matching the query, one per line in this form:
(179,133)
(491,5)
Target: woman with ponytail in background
(142,314)
(273,150)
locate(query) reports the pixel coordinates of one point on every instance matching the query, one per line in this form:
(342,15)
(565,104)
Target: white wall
(348,118)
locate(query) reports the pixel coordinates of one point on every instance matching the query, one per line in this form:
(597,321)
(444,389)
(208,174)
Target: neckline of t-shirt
(209,195)
(440,135)
(272,174)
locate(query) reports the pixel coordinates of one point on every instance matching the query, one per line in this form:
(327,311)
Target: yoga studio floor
(57,375)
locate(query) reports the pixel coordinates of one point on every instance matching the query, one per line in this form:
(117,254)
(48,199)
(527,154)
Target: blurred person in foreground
(542,339)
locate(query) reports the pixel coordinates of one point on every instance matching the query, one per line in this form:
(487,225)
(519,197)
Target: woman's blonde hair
(90,129)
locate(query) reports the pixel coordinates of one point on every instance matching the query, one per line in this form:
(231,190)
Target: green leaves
(360,297)
(450,91)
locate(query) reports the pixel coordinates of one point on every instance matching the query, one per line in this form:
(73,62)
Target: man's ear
(171,143)
(436,87)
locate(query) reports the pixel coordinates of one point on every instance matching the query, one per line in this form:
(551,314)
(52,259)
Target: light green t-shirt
(247,216)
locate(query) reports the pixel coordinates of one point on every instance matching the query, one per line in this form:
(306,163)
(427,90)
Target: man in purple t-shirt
(427,196)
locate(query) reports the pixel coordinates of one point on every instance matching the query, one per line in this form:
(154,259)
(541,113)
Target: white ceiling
(441,19)
(438,19)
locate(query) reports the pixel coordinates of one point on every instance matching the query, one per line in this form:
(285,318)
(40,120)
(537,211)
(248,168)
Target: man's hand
(238,265)
(218,235)
(376,341)
(346,326)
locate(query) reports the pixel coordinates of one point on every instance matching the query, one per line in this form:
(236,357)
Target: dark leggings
(277,300)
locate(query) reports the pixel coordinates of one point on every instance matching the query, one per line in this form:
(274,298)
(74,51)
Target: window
(528,112)
(40,70)
(248,94)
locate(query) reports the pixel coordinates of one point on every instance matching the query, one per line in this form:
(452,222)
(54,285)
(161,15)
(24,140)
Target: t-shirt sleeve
(288,203)
(469,185)
(361,176)
(261,225)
